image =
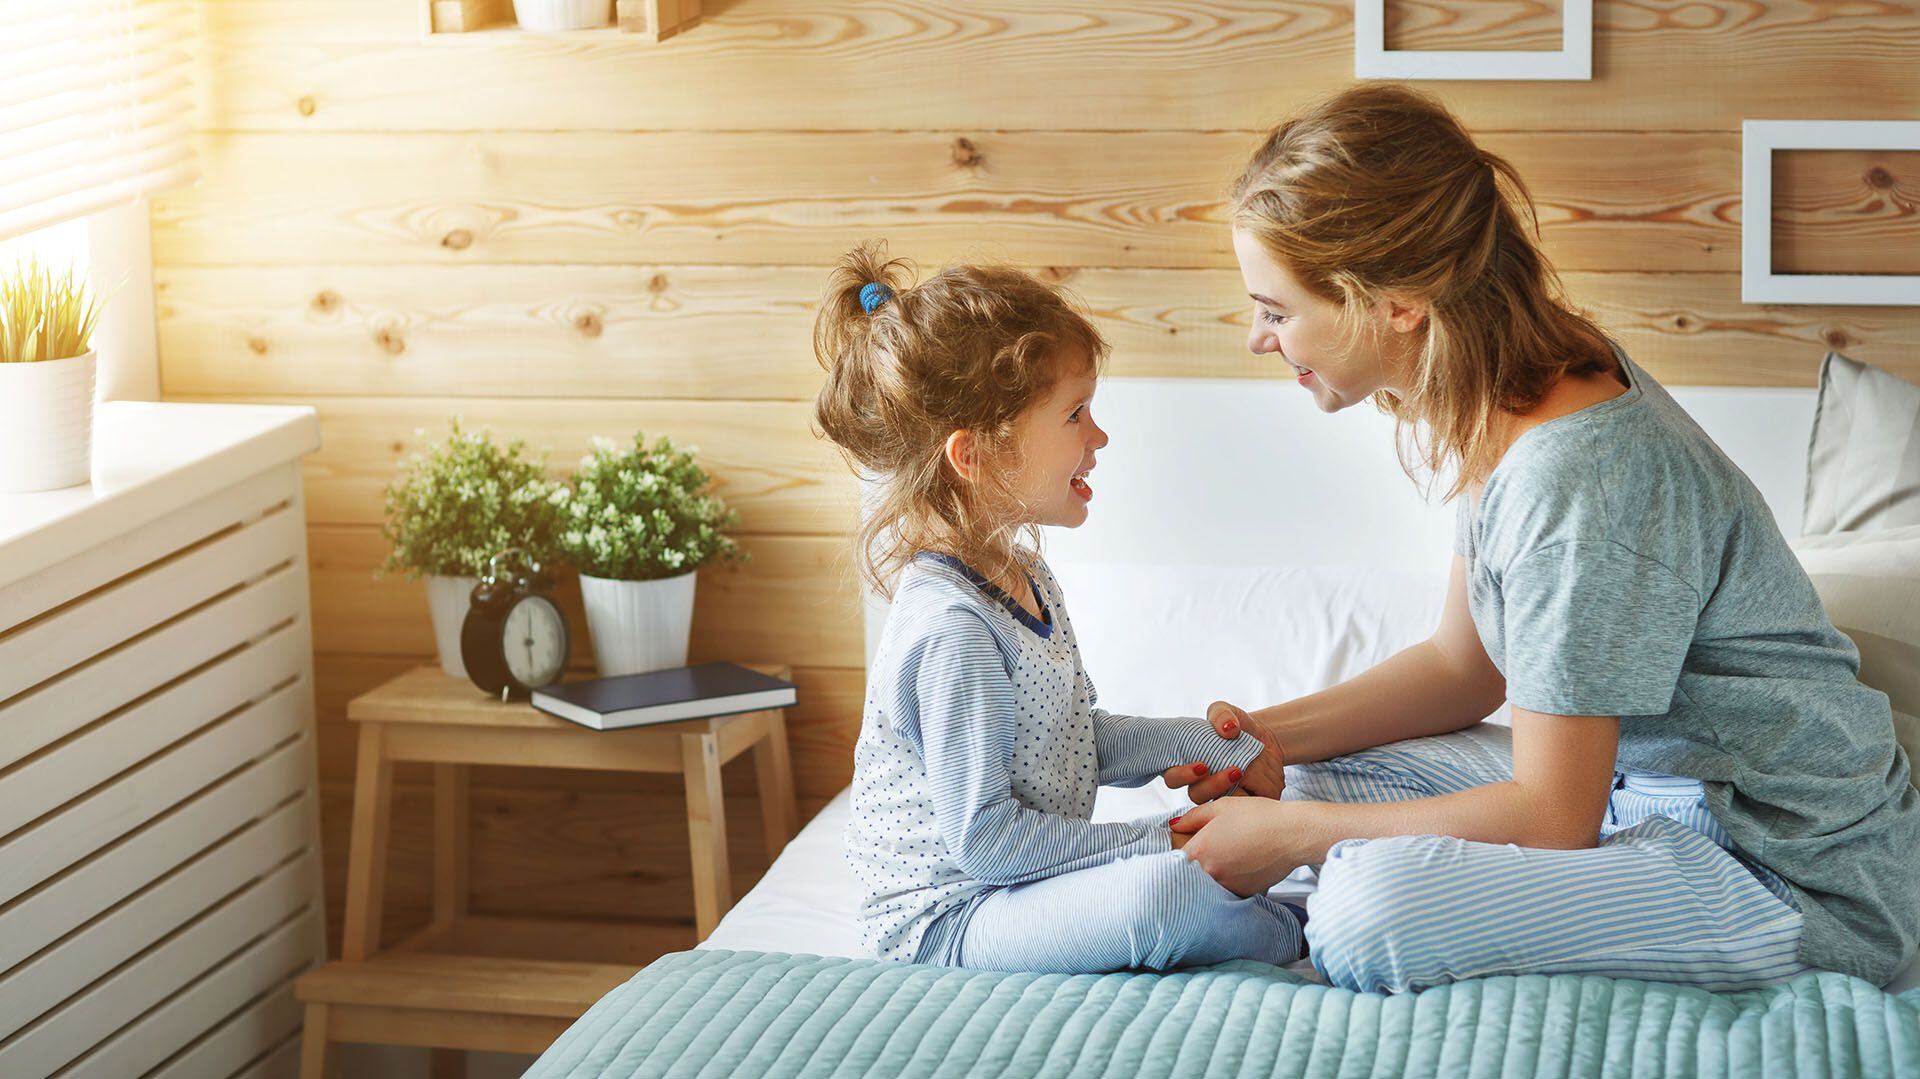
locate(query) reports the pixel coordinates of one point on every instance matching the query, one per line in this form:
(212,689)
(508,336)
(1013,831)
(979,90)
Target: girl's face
(1058,439)
(1305,331)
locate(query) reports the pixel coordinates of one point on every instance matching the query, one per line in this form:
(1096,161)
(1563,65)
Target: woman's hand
(1266,776)
(1247,844)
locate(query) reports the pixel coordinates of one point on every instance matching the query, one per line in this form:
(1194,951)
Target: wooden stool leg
(707,828)
(774,768)
(448,1064)
(367,847)
(451,844)
(313,1043)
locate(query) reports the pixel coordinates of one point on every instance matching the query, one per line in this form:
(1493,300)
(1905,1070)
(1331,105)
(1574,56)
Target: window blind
(94,106)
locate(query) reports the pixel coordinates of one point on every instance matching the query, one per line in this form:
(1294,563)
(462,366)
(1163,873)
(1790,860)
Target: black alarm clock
(514,639)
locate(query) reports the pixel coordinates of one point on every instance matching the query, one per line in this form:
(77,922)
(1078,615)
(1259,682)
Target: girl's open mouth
(1081,487)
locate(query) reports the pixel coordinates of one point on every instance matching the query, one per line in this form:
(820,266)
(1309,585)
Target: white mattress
(807,900)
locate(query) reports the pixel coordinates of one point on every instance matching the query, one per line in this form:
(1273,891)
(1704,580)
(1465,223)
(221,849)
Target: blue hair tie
(873,294)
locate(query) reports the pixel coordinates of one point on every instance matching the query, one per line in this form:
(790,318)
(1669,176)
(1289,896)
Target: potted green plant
(456,504)
(46,378)
(639,523)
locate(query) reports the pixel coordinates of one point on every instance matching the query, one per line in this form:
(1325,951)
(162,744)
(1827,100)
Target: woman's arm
(1442,684)
(1562,777)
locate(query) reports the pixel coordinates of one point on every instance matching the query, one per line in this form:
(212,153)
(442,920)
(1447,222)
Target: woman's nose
(1259,342)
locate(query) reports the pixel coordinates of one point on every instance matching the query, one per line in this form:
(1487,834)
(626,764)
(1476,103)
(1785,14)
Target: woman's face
(1305,331)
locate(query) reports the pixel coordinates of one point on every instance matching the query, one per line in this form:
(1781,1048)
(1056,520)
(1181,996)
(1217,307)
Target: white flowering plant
(461,501)
(642,513)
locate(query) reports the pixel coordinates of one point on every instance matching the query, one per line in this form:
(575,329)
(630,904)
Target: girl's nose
(1100,436)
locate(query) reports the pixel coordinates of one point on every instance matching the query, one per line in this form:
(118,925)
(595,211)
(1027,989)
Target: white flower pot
(46,423)
(545,15)
(638,625)
(448,599)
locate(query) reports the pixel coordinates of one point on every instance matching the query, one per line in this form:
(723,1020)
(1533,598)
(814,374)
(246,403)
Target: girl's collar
(1042,626)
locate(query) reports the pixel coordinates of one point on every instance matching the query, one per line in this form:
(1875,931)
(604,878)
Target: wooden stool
(411,997)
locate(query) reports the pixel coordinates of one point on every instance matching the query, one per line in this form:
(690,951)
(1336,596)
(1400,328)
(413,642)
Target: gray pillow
(1863,466)
(1869,583)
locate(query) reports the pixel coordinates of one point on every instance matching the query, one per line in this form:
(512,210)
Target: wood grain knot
(965,154)
(258,345)
(305,105)
(1055,275)
(657,283)
(327,302)
(588,323)
(1878,177)
(1835,338)
(457,240)
(390,342)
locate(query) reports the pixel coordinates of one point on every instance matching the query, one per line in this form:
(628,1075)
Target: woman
(1696,787)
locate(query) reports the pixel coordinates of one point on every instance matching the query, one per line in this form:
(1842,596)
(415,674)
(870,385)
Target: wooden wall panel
(1846,211)
(1058,198)
(763,455)
(557,237)
(1684,327)
(1078,65)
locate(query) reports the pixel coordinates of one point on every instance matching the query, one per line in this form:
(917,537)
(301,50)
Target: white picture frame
(1758,283)
(1373,60)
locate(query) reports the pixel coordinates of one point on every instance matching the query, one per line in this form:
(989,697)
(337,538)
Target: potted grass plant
(453,506)
(46,378)
(639,523)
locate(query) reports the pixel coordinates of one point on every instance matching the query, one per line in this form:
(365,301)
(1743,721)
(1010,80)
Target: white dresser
(159,822)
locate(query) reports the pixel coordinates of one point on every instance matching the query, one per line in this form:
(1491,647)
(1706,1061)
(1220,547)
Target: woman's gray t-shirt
(1619,564)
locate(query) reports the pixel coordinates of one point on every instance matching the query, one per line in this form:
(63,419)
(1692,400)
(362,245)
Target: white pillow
(1164,640)
(1869,583)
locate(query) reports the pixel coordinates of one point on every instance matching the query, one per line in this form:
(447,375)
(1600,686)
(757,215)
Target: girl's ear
(963,454)
(1405,316)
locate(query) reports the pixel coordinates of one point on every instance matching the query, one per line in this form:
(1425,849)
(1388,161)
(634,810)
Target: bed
(1273,596)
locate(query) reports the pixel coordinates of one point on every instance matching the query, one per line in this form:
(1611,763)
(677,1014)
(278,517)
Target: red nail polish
(1230,726)
(1234,774)
(1174,821)
(1200,769)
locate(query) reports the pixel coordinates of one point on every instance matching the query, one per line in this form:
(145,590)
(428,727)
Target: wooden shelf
(413,995)
(492,20)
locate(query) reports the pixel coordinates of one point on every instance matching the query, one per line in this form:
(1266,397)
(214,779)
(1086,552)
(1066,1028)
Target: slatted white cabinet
(159,822)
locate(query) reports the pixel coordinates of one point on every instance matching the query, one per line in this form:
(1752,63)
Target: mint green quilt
(721,1013)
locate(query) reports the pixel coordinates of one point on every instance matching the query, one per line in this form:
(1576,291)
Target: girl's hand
(1241,842)
(1203,785)
(1266,776)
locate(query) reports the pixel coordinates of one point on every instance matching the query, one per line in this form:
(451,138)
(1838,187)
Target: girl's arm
(965,721)
(1444,683)
(1133,750)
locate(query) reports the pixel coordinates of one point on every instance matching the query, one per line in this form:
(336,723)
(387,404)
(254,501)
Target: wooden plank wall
(558,237)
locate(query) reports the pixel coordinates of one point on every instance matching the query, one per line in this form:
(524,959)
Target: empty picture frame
(1758,140)
(1373,60)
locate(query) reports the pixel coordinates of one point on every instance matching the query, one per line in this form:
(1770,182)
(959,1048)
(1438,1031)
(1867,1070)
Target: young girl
(966,397)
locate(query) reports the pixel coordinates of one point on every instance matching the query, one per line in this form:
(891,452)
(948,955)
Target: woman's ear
(963,454)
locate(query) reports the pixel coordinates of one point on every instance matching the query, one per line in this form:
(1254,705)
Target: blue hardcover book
(633,700)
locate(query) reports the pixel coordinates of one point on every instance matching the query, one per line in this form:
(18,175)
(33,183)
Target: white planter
(448,599)
(638,625)
(46,423)
(545,15)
